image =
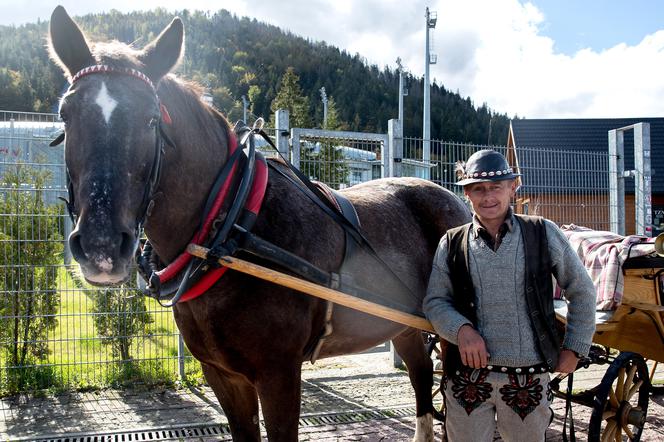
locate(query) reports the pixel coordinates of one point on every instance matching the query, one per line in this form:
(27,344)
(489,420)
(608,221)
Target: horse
(250,336)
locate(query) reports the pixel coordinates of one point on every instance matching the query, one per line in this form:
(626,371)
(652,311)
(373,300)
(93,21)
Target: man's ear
(514,187)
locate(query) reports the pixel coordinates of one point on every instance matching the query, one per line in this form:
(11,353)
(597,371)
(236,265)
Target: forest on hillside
(234,57)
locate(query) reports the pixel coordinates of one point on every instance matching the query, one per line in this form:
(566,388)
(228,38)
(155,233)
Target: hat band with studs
(488,174)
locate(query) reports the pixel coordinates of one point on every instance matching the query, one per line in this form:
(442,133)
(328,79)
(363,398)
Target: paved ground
(358,398)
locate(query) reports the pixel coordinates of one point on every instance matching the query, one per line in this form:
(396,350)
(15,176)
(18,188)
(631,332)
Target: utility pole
(323,97)
(244,109)
(431,18)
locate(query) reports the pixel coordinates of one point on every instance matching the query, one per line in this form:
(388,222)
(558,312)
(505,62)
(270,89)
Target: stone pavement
(358,398)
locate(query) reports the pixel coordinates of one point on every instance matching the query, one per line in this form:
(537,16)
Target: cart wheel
(433,347)
(621,401)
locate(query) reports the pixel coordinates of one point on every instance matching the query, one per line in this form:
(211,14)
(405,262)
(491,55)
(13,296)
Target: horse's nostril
(128,245)
(76,247)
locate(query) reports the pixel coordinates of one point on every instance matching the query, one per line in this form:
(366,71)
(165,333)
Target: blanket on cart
(603,254)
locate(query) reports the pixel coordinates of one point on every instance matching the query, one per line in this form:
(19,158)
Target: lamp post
(323,97)
(431,18)
(244,109)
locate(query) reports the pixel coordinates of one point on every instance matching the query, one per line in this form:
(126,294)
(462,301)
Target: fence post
(395,148)
(393,169)
(181,370)
(642,179)
(617,181)
(282,131)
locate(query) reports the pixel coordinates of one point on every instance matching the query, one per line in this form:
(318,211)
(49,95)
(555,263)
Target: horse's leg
(239,401)
(279,392)
(410,346)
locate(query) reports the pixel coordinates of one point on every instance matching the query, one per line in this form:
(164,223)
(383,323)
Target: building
(581,138)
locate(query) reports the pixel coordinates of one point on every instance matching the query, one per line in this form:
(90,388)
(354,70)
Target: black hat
(484,165)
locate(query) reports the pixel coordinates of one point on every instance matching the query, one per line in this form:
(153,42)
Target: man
(490,294)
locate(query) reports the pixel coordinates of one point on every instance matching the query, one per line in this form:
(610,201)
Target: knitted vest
(538,288)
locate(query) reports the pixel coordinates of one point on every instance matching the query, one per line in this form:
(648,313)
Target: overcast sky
(537,59)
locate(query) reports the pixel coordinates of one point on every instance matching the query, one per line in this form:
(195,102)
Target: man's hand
(472,347)
(567,361)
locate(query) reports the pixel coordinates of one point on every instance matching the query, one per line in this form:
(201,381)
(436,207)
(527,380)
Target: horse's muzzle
(105,259)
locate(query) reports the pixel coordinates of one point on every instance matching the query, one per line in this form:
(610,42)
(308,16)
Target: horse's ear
(160,56)
(67,43)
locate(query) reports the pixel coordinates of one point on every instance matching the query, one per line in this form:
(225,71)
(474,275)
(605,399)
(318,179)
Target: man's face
(491,199)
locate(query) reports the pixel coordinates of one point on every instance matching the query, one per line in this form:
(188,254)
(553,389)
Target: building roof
(591,135)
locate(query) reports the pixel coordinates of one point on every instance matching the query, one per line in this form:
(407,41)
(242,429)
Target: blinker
(59,139)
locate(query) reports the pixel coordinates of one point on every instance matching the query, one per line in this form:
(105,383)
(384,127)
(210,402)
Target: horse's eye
(64,117)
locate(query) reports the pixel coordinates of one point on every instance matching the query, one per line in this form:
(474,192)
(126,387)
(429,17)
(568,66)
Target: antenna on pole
(323,97)
(431,19)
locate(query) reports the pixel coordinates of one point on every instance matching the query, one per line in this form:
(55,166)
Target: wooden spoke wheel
(621,402)
(437,356)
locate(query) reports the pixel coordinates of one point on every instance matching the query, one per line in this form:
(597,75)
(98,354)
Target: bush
(32,248)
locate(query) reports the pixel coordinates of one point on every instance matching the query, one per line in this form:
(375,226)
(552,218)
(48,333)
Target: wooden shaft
(316,290)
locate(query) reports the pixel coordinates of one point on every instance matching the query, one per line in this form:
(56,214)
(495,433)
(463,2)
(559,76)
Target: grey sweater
(498,279)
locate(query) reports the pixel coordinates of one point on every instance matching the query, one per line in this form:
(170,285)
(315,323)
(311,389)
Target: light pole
(323,97)
(402,92)
(431,18)
(244,109)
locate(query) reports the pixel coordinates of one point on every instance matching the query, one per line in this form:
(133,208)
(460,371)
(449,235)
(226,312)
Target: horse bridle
(161,139)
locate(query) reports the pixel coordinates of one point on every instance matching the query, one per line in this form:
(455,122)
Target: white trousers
(478,400)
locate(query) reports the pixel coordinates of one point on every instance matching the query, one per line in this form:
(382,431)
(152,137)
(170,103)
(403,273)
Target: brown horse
(250,336)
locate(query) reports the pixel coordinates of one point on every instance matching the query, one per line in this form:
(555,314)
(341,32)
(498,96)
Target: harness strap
(568,412)
(327,331)
(218,195)
(317,198)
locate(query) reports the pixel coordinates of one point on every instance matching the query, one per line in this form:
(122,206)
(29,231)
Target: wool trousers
(478,400)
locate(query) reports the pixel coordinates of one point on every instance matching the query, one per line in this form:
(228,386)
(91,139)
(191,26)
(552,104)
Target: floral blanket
(603,254)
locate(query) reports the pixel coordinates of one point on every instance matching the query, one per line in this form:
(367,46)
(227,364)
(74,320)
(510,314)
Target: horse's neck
(189,170)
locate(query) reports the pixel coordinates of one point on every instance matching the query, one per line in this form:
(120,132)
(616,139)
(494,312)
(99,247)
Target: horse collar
(216,233)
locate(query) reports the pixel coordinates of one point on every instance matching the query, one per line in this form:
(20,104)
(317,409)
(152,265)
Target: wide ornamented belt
(531,369)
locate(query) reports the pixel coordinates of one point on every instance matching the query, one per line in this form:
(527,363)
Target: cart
(625,339)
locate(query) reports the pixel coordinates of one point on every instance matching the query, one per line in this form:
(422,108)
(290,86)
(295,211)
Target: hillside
(238,56)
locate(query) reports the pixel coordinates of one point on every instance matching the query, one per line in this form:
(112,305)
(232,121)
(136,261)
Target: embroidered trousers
(476,400)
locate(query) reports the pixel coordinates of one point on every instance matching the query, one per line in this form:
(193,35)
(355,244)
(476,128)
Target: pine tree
(290,97)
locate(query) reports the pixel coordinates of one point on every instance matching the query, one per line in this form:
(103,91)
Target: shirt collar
(508,224)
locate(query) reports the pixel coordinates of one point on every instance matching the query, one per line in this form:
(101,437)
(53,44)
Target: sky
(533,59)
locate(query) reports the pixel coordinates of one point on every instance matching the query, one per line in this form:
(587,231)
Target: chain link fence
(58,332)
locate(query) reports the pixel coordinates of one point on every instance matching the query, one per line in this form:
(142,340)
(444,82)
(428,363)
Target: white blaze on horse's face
(106,102)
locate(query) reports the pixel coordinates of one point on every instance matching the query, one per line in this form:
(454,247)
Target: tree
(121,316)
(290,97)
(334,121)
(16,91)
(28,290)
(323,161)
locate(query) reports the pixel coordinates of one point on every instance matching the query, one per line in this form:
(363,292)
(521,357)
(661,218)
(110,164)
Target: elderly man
(490,295)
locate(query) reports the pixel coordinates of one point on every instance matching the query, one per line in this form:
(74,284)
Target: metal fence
(563,185)
(58,332)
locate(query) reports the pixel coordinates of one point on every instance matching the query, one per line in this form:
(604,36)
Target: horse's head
(112,116)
